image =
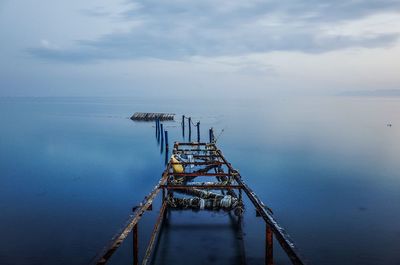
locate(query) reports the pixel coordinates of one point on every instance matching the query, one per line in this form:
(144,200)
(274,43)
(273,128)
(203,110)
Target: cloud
(179,30)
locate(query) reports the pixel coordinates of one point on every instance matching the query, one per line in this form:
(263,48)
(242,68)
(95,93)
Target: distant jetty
(149,116)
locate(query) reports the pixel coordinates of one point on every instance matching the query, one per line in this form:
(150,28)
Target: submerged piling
(183,126)
(198,132)
(158,129)
(162,137)
(166,141)
(190,129)
(162,132)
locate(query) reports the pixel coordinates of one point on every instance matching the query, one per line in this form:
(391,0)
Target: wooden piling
(166,141)
(183,126)
(190,129)
(211,135)
(198,132)
(162,138)
(156,128)
(162,132)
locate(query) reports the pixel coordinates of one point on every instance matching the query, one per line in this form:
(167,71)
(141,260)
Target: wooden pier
(151,116)
(199,177)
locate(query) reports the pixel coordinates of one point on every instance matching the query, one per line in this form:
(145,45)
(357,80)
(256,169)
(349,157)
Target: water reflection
(212,243)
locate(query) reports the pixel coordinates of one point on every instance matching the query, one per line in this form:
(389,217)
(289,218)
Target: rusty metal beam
(208,163)
(180,187)
(193,144)
(199,174)
(154,234)
(194,150)
(196,153)
(117,240)
(205,156)
(280,233)
(269,250)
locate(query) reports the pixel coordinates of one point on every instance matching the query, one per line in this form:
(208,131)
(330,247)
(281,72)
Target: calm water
(72,168)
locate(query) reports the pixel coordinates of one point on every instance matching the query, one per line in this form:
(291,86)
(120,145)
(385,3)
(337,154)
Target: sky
(249,48)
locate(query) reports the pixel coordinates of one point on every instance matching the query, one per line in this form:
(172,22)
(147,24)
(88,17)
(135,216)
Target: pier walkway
(199,177)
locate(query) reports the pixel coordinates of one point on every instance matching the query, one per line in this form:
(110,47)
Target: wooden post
(158,129)
(162,138)
(166,141)
(162,132)
(198,132)
(269,251)
(190,129)
(135,245)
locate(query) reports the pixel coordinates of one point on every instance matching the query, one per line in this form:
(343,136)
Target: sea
(72,169)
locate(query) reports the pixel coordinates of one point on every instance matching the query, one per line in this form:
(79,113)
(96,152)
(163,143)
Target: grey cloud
(96,12)
(176,29)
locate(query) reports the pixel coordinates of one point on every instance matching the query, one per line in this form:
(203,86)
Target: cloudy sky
(252,47)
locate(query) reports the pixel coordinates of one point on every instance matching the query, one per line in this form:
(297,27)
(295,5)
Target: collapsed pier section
(198,177)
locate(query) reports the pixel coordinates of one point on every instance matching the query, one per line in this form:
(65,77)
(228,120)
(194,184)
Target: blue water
(72,168)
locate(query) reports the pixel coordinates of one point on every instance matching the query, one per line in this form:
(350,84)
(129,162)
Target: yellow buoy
(178,167)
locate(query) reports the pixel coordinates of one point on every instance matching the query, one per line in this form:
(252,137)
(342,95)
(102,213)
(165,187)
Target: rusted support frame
(154,234)
(281,235)
(197,153)
(194,144)
(269,247)
(210,163)
(194,150)
(220,187)
(204,156)
(199,174)
(117,240)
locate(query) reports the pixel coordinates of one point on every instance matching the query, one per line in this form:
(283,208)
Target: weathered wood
(269,251)
(198,131)
(149,116)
